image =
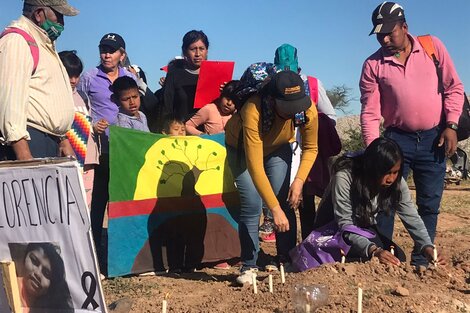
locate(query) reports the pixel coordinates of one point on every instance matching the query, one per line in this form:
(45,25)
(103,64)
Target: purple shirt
(96,84)
(406,95)
(133,122)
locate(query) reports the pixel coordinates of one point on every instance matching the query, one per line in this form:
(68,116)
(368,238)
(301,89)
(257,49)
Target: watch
(453,126)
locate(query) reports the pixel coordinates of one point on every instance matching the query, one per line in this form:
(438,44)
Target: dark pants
(307,214)
(41,145)
(428,164)
(99,201)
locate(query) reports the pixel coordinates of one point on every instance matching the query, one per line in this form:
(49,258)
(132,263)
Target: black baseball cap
(288,90)
(386,16)
(113,40)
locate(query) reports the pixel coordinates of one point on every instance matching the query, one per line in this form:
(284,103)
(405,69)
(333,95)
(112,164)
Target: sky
(331,35)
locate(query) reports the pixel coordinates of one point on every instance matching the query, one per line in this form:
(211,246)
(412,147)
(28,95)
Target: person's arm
(453,97)
(324,103)
(343,210)
(254,162)
(370,100)
(16,66)
(197,119)
(309,139)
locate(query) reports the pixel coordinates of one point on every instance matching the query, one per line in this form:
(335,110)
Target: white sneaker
(246,277)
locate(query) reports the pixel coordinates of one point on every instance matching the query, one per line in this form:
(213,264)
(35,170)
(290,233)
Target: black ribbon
(89,292)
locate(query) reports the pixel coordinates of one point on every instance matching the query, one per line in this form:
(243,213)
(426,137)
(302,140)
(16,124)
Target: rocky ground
(385,288)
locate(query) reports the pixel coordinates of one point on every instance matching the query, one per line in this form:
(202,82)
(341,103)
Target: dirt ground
(385,288)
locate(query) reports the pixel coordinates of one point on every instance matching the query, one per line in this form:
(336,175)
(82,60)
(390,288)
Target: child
(214,115)
(173,126)
(360,188)
(126,95)
(74,67)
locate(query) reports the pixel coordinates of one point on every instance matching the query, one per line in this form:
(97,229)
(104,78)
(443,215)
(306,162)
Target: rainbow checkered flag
(78,135)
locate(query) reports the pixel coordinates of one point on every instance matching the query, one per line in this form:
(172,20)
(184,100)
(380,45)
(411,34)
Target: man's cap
(60,6)
(113,40)
(288,90)
(285,58)
(386,16)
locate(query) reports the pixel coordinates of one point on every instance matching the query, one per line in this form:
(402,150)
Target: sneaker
(246,277)
(269,238)
(267,227)
(222,266)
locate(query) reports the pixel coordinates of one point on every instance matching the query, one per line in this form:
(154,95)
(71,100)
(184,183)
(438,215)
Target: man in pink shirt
(400,84)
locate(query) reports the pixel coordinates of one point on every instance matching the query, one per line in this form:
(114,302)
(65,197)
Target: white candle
(392,250)
(343,257)
(359,298)
(164,304)
(255,287)
(283,275)
(270,280)
(434,250)
(307,308)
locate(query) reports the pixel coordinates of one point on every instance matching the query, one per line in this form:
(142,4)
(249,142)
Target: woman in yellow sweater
(259,155)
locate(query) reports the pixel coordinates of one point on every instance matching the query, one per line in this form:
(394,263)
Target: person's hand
(429,254)
(161,81)
(449,139)
(221,87)
(294,197)
(101,126)
(21,149)
(280,220)
(65,149)
(385,257)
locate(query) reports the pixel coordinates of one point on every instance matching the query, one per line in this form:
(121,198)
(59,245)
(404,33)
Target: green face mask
(52,29)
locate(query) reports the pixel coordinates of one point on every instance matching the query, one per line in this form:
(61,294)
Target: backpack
(463,131)
(33,47)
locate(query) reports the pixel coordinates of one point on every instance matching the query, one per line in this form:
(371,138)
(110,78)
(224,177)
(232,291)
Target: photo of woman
(41,277)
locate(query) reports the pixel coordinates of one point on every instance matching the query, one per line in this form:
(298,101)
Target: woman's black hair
(72,62)
(367,171)
(191,37)
(58,294)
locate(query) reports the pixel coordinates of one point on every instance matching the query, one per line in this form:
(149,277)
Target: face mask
(52,29)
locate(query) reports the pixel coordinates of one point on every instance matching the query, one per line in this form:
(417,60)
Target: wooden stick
(343,257)
(11,285)
(434,251)
(270,280)
(255,287)
(283,275)
(359,298)
(392,250)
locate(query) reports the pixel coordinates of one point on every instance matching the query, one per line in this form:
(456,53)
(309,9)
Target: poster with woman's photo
(45,231)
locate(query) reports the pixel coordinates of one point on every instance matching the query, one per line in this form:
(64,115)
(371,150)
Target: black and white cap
(386,16)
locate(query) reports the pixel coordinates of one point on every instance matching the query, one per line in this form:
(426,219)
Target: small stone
(401,291)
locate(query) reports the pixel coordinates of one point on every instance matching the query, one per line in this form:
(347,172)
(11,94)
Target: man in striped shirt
(36,103)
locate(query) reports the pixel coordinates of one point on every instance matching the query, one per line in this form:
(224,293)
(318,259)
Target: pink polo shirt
(406,96)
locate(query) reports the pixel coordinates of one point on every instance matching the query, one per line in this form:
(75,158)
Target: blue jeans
(277,167)
(428,163)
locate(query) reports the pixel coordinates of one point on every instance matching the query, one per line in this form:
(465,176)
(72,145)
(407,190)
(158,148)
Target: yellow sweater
(258,145)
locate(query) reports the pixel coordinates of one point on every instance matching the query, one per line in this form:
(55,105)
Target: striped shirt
(43,100)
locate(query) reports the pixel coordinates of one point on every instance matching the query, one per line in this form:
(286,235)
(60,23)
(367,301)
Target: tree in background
(340,97)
